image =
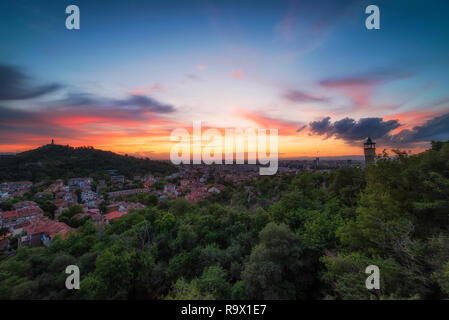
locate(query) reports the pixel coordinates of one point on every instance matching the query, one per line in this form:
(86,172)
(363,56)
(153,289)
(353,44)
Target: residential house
(9,219)
(114,215)
(4,241)
(41,231)
(81,183)
(126,192)
(124,206)
(117,179)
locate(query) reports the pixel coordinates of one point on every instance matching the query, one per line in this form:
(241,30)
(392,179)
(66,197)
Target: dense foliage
(57,161)
(309,236)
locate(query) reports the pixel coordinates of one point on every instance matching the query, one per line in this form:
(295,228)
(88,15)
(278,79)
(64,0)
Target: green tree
(277,269)
(213,282)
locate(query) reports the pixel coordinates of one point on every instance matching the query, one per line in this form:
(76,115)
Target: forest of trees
(306,236)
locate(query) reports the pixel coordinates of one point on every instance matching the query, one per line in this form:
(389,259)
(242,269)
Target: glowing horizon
(134,73)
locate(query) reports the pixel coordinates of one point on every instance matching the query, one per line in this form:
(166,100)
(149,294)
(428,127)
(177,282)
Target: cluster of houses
(14,189)
(113,211)
(118,209)
(26,220)
(188,188)
(196,182)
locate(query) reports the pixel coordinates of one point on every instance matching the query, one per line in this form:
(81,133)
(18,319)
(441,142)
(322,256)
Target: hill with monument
(58,161)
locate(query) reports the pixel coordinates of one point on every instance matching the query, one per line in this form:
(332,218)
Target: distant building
(316,162)
(88,195)
(24,204)
(124,206)
(126,192)
(4,241)
(349,163)
(214,190)
(94,214)
(15,186)
(81,182)
(118,179)
(369,148)
(61,205)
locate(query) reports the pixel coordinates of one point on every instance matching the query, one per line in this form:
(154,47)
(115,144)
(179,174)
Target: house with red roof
(4,241)
(124,206)
(94,214)
(61,205)
(24,204)
(114,215)
(41,231)
(9,219)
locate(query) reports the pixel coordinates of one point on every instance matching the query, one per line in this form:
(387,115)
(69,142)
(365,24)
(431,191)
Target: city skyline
(137,70)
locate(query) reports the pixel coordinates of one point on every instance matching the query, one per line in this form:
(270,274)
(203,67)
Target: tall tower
(370,151)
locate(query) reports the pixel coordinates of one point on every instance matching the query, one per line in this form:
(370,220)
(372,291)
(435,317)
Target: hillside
(57,161)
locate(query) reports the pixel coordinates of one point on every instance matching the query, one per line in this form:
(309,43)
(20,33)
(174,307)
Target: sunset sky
(136,70)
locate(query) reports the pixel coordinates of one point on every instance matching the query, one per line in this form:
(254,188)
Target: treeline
(52,162)
(311,237)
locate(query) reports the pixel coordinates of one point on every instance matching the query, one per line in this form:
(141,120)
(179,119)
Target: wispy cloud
(147,90)
(308,23)
(133,104)
(360,88)
(16,85)
(193,77)
(436,129)
(300,96)
(284,127)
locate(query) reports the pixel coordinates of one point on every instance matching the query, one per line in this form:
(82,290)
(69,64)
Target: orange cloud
(411,119)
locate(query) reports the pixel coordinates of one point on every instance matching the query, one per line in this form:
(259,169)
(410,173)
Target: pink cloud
(361,88)
(263,121)
(237,74)
(143,90)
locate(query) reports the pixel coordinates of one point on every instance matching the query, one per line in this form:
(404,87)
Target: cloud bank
(353,132)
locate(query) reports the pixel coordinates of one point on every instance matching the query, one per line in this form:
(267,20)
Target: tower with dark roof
(369,147)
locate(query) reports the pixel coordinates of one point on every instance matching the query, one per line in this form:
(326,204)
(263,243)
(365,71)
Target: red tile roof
(115,215)
(5,236)
(47,226)
(22,212)
(21,225)
(9,214)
